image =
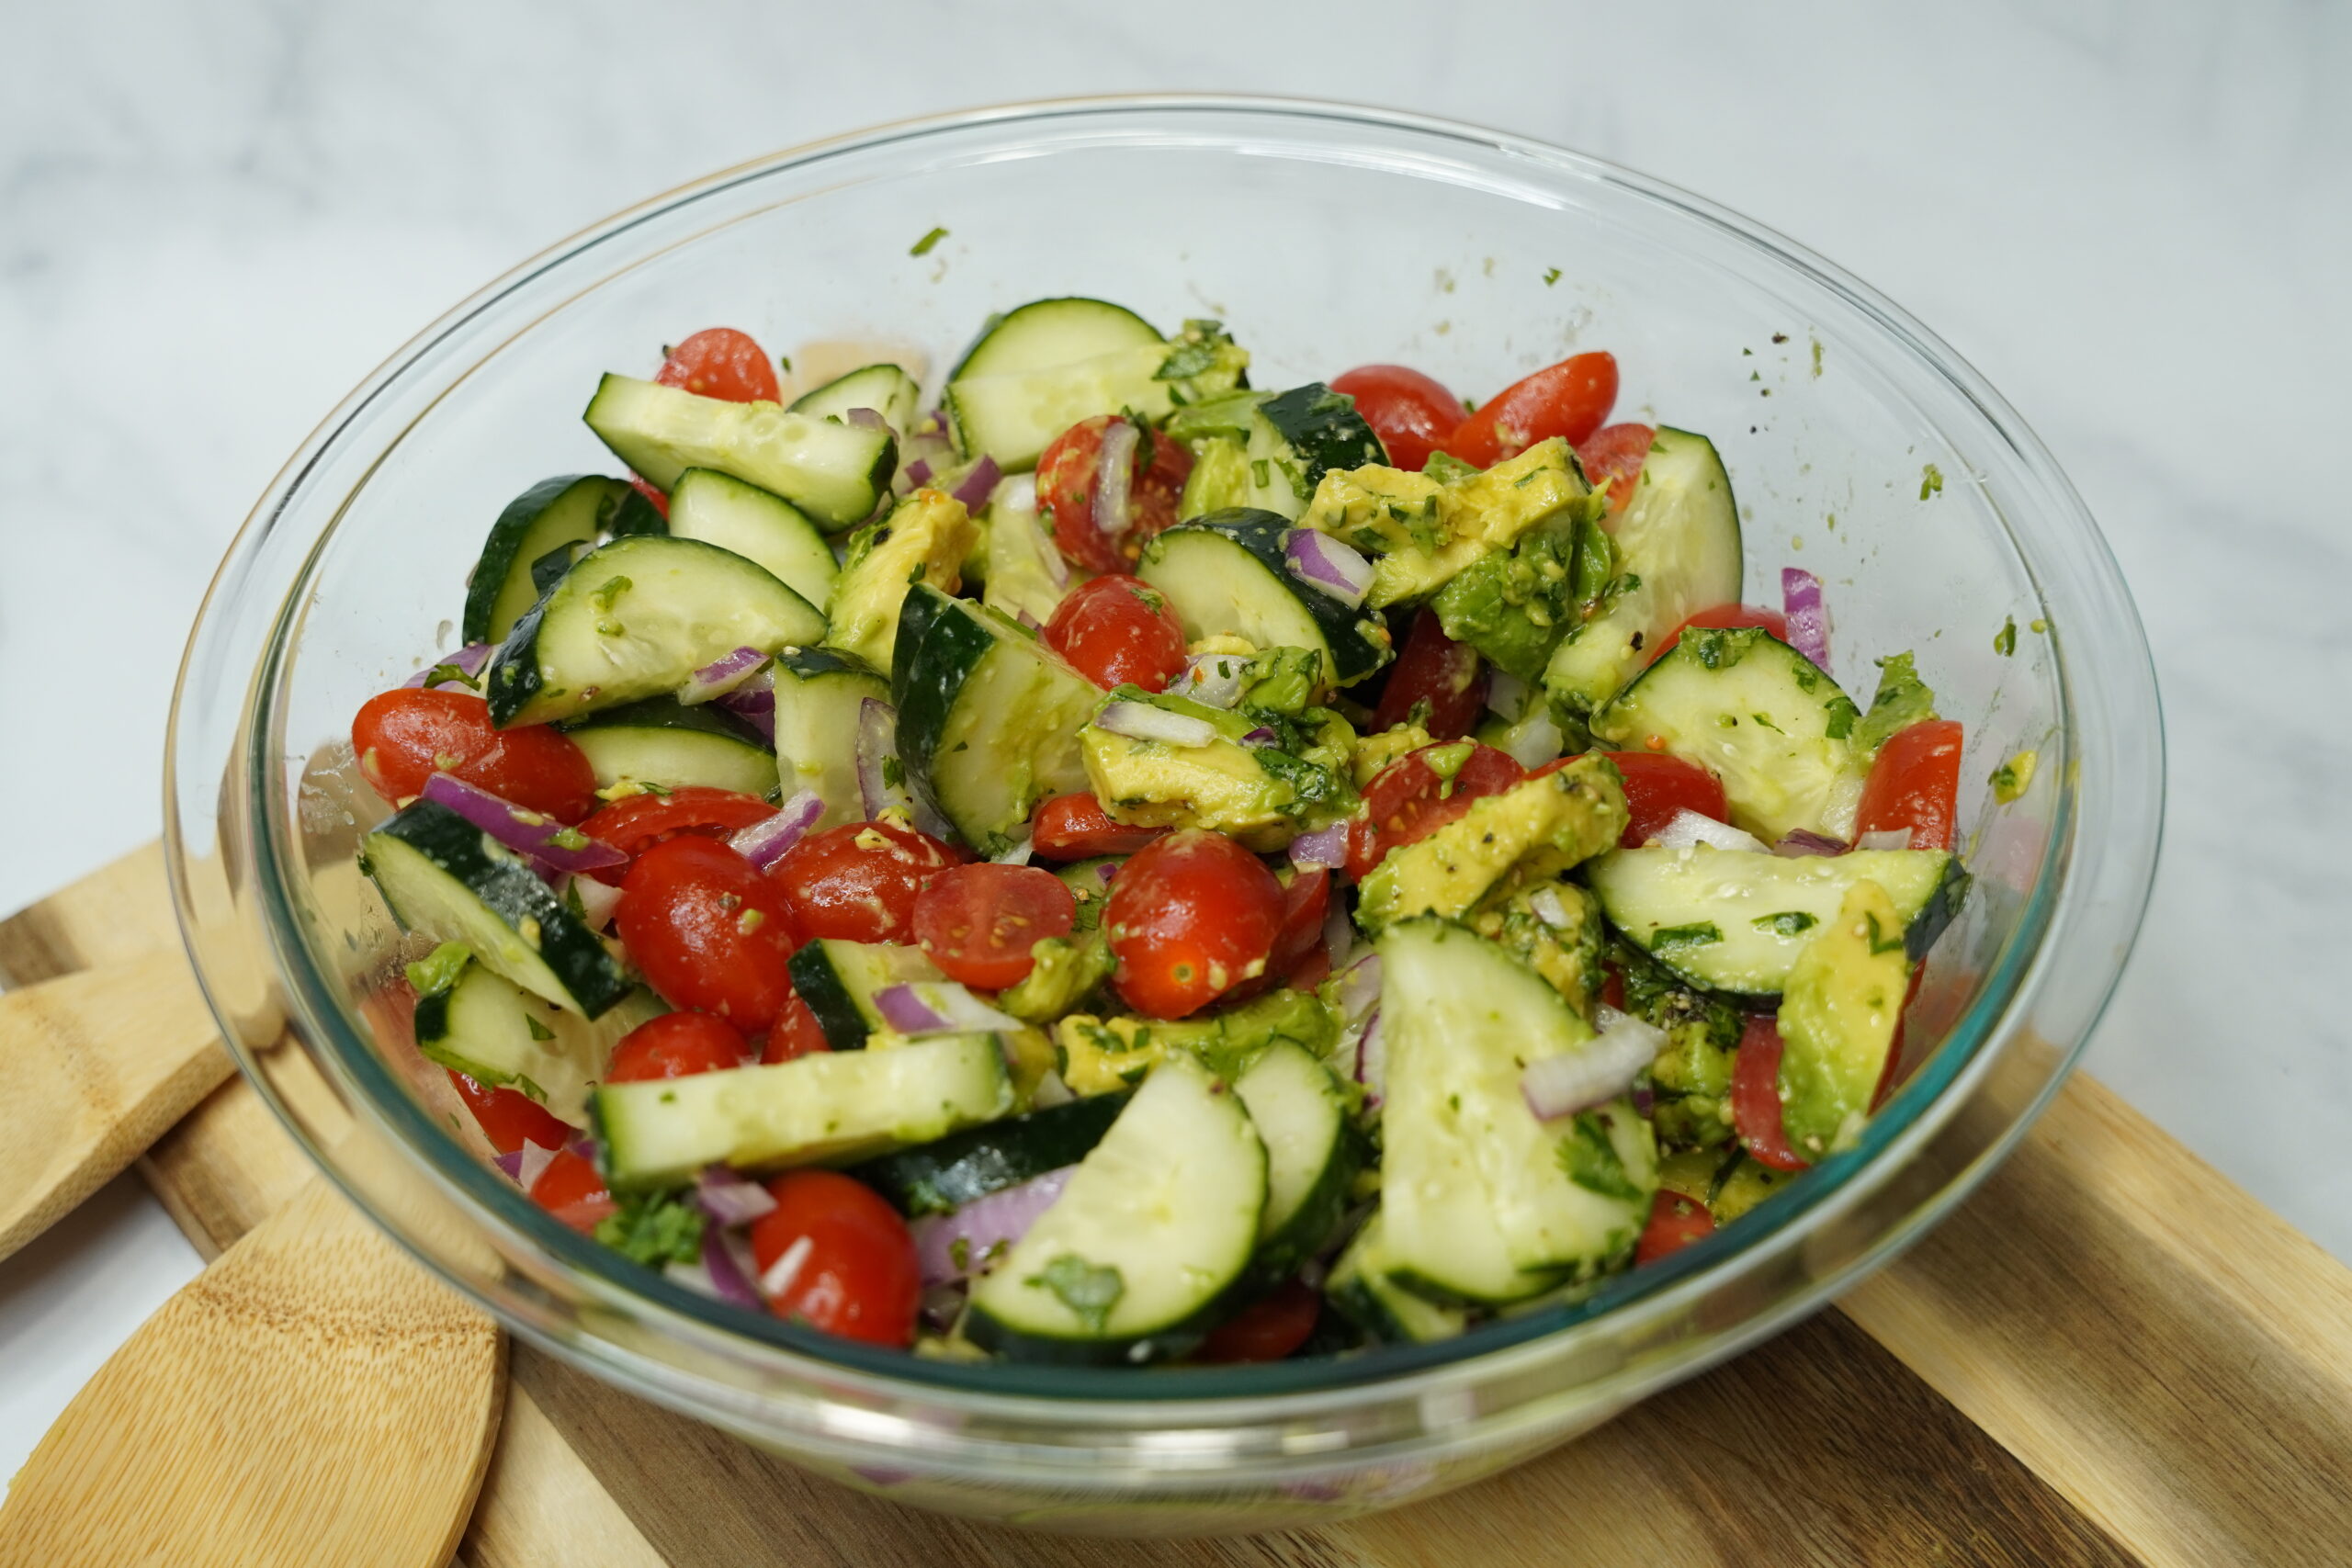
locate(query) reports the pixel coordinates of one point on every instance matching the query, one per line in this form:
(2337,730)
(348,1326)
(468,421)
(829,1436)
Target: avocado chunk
(1530,832)
(1100,1056)
(1692,1077)
(1291,776)
(924,539)
(1373,752)
(1555,927)
(1515,605)
(1220,477)
(1839,1014)
(1741,1185)
(1065,969)
(1421,533)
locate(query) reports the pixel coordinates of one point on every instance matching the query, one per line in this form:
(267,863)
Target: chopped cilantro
(538,1030)
(2005,641)
(1702,933)
(1591,1160)
(1089,1290)
(922,247)
(2012,778)
(438,970)
(1902,700)
(1551,276)
(1931,481)
(654,1228)
(1788,922)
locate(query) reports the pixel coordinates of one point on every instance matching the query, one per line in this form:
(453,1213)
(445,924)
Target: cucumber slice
(1760,716)
(445,877)
(1678,553)
(838,980)
(1734,921)
(761,527)
(1297,437)
(1148,1240)
(818,694)
(1362,1290)
(886,389)
(495,1033)
(835,473)
(826,1108)
(1480,1202)
(1311,1156)
(1047,333)
(988,715)
(570,509)
(1224,574)
(940,1178)
(1012,408)
(636,618)
(661,742)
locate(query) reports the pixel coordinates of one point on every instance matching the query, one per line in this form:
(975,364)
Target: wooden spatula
(98,1065)
(310,1398)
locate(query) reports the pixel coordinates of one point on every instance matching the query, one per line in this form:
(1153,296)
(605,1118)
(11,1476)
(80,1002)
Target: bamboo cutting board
(2110,1356)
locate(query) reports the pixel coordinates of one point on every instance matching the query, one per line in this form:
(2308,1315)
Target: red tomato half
(720,362)
(1432,668)
(797,1033)
(1915,784)
(858,1276)
(1675,1222)
(710,932)
(635,823)
(508,1117)
(1657,786)
(1075,827)
(1412,413)
(1756,1096)
(858,882)
(1117,629)
(1268,1328)
(1413,797)
(404,737)
(1614,457)
(1068,477)
(1726,615)
(677,1045)
(573,1190)
(1189,918)
(660,502)
(1306,899)
(978,922)
(1567,400)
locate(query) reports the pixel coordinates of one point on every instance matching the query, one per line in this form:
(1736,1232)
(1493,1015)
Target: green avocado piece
(924,539)
(1692,1077)
(1532,831)
(1839,1014)
(1515,605)
(1220,478)
(1556,929)
(1065,969)
(1100,1055)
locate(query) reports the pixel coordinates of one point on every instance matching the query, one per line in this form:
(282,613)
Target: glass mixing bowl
(1326,237)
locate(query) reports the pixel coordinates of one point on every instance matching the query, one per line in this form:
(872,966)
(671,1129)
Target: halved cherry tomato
(720,362)
(1675,1222)
(508,1117)
(573,1190)
(858,882)
(1657,786)
(1075,827)
(858,1277)
(1068,476)
(710,932)
(1118,629)
(1614,456)
(1892,1073)
(1567,400)
(1268,1328)
(978,922)
(797,1033)
(677,1045)
(637,823)
(1412,413)
(1915,784)
(1411,799)
(1725,615)
(1756,1095)
(1432,668)
(660,502)
(1189,918)
(404,737)
(1306,899)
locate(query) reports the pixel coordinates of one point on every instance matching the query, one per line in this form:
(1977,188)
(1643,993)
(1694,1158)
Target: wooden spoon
(98,1065)
(310,1398)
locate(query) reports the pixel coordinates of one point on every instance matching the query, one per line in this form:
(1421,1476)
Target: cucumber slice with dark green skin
(1224,574)
(838,980)
(938,1178)
(834,472)
(445,877)
(1145,1248)
(1362,1290)
(719,508)
(988,715)
(635,618)
(570,509)
(826,1108)
(497,1033)
(661,742)
(1312,1154)
(1319,430)
(1089,881)
(886,389)
(1047,333)
(1734,921)
(819,693)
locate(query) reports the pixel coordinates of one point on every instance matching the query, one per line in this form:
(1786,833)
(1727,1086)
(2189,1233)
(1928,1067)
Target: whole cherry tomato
(1070,478)
(978,922)
(857,1276)
(1421,792)
(1568,399)
(1075,827)
(1116,630)
(1614,457)
(404,737)
(1268,1328)
(1915,784)
(1756,1096)
(858,882)
(720,362)
(1675,1222)
(709,932)
(637,822)
(508,1117)
(1657,786)
(1434,668)
(1412,413)
(1725,615)
(677,1045)
(797,1033)
(1189,917)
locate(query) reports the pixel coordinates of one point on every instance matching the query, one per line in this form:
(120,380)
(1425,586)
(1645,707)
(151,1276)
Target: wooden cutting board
(2110,1356)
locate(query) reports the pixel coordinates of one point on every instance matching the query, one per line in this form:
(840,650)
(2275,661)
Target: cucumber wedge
(886,389)
(661,742)
(1361,1290)
(763,528)
(818,694)
(1047,333)
(938,1178)
(1311,1156)
(1224,574)
(1297,437)
(838,980)
(497,1033)
(1015,405)
(836,473)
(570,509)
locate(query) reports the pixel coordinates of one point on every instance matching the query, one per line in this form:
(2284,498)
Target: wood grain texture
(120,911)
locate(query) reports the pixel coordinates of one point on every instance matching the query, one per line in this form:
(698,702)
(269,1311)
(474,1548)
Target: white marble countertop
(2133,215)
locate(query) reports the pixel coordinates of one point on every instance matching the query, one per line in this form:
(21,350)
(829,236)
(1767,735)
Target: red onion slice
(869,419)
(975,488)
(1211,679)
(1372,1062)
(597,900)
(764,842)
(1141,721)
(917,473)
(1885,838)
(1536,740)
(1596,1072)
(1359,989)
(1688,828)
(1115,478)
(920,1007)
(1339,934)
(731,1269)
(1551,908)
(1808,613)
(728,1198)
(1799,842)
(469,658)
(983,1228)
(1323,563)
(526,832)
(1506,695)
(1018,854)
(1325,848)
(531,1163)
(878,741)
(721,676)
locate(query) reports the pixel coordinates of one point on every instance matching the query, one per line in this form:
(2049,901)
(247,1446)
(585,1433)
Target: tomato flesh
(677,1045)
(1915,785)
(402,737)
(1726,615)
(573,1190)
(858,1277)
(659,500)
(1614,457)
(508,1117)
(1675,1222)
(1267,1329)
(1413,414)
(1075,827)
(859,882)
(1069,474)
(709,932)
(1756,1096)
(1657,786)
(1421,792)
(978,922)
(1434,668)
(1118,630)
(1189,917)
(1569,400)
(797,1033)
(635,823)
(720,362)
(1306,899)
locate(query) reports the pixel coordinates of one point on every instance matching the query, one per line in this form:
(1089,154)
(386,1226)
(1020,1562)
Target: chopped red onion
(764,842)
(984,1226)
(1261,736)
(597,900)
(1506,695)
(1688,828)
(1551,908)
(1015,505)
(1026,619)
(869,419)
(1325,848)
(877,743)
(1115,478)
(974,489)
(1799,842)
(1372,1062)
(1536,742)
(1107,870)
(1213,679)
(511,1162)
(1018,854)
(1808,614)
(1323,563)
(1885,838)
(753,702)
(469,658)
(781,1273)
(728,1198)
(1359,991)
(721,676)
(532,1163)
(918,1008)
(1339,934)
(1596,1072)
(727,1261)
(526,832)
(1141,721)
(917,473)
